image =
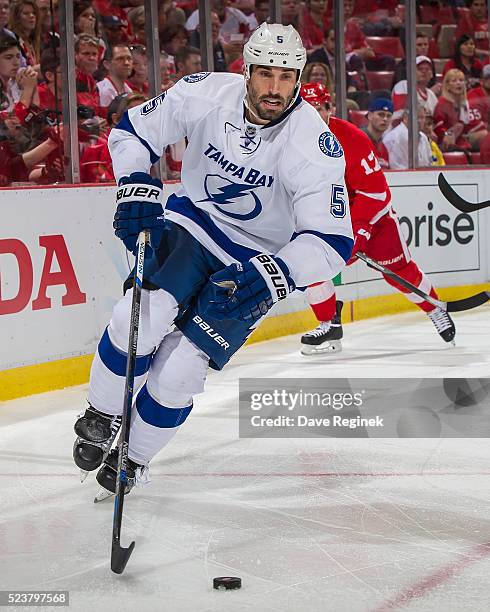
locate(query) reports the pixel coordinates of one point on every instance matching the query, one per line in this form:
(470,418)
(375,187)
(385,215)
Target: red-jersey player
(376,233)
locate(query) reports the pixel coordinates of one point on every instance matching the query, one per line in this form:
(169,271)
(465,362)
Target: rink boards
(61,270)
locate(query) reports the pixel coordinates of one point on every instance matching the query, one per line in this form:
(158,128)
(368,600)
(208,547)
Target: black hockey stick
(456,200)
(454,306)
(119,554)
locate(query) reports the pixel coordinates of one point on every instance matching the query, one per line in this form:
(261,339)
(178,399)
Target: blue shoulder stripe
(126,125)
(342,244)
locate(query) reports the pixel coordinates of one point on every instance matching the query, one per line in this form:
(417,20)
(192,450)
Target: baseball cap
(423,58)
(486,71)
(111,21)
(380,104)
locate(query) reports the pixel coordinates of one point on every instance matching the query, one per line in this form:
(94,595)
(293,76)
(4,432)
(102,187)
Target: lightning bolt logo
(227,193)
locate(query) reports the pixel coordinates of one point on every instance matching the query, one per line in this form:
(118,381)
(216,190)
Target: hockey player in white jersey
(263,204)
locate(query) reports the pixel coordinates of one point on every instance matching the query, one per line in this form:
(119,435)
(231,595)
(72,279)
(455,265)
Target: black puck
(227,583)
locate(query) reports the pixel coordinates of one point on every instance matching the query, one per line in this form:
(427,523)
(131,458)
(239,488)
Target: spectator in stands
(396,141)
(18,86)
(165,71)
(25,23)
(291,14)
(317,72)
(85,22)
(479,97)
(4,17)
(121,104)
(261,11)
(485,150)
(44,20)
(115,8)
(475,24)
(374,9)
(315,24)
(248,9)
(425,96)
(325,55)
(114,32)
(379,116)
(379,17)
(220,62)
(173,39)
(138,79)
(95,160)
(232,20)
(421,48)
(50,92)
(16,167)
(187,61)
(119,64)
(437,156)
(169,15)
(465,60)
(136,18)
(86,61)
(455,126)
(85,18)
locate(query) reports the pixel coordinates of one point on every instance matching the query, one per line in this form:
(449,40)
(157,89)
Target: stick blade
(120,557)
(456,200)
(468,303)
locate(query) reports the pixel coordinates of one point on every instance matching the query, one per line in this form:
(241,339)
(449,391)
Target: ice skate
(444,324)
(107,475)
(326,338)
(96,432)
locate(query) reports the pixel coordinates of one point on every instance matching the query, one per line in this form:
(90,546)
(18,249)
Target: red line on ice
(435,579)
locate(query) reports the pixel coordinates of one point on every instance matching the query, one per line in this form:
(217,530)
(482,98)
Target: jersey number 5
(337,201)
(371,164)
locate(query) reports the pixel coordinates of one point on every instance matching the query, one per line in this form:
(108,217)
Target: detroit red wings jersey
(369,194)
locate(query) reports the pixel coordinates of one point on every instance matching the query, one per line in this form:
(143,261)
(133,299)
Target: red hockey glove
(362,233)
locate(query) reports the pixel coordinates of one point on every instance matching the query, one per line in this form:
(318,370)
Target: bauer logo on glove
(247,291)
(139,208)
(132,193)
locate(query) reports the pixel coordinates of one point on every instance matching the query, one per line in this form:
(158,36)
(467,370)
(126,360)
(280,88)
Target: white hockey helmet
(274,44)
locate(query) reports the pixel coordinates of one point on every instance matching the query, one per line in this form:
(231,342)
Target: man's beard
(268,114)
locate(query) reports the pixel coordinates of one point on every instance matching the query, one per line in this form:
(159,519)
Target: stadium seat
(380,80)
(446,15)
(446,40)
(428,13)
(463,12)
(425,29)
(386,45)
(439,64)
(476,158)
(433,48)
(358,118)
(361,98)
(455,158)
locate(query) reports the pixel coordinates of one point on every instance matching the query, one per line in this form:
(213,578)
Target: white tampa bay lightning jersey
(246,188)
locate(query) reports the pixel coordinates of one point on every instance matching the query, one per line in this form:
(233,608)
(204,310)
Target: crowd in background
(452,73)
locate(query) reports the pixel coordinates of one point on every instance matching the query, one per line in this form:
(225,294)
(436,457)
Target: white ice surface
(330,525)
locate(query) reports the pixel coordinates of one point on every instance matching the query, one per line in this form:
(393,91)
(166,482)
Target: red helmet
(315,93)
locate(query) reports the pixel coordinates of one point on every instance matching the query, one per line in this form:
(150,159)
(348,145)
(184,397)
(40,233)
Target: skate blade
(309,349)
(83,475)
(102,495)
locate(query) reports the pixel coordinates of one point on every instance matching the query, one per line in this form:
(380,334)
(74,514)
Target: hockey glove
(246,291)
(139,207)
(362,234)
